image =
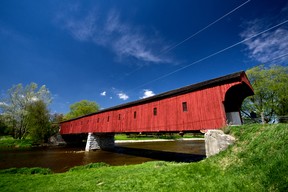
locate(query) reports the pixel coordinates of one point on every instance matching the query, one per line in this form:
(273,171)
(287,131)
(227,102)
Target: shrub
(27,171)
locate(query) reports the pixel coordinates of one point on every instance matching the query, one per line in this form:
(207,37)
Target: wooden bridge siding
(171,116)
(205,110)
(245,80)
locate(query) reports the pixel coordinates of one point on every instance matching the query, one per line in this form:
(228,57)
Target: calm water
(61,159)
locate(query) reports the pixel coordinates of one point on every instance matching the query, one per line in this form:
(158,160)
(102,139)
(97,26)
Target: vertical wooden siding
(205,111)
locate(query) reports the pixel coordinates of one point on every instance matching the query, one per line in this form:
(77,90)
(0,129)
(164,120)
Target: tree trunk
(263,118)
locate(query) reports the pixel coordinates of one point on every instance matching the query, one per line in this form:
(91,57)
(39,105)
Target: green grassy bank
(257,162)
(155,136)
(7,142)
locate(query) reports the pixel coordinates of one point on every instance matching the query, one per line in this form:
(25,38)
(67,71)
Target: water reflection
(61,159)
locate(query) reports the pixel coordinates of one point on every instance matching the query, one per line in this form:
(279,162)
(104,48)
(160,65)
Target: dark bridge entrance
(233,101)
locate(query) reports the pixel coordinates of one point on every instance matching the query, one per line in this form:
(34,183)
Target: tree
(271,89)
(38,121)
(14,106)
(81,108)
(3,126)
(55,120)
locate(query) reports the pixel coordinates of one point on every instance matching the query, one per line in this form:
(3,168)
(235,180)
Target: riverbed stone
(99,141)
(216,141)
(56,140)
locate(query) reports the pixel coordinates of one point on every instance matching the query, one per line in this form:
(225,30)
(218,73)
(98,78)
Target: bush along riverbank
(258,161)
(8,143)
(123,137)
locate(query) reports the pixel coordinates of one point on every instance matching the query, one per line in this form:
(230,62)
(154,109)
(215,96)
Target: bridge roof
(235,77)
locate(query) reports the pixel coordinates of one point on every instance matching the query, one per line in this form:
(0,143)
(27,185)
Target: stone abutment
(99,141)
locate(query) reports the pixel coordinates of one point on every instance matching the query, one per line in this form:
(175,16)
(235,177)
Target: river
(61,159)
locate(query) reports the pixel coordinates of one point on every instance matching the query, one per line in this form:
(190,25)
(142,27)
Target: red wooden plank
(205,110)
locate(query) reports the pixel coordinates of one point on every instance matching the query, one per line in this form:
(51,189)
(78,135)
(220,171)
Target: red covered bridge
(210,104)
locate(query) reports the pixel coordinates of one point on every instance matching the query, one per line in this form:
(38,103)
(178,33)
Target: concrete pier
(99,141)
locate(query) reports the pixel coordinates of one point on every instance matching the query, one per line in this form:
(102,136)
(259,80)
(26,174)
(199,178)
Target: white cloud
(269,45)
(125,40)
(103,93)
(147,93)
(123,96)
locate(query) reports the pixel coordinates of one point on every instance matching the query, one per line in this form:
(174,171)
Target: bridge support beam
(99,141)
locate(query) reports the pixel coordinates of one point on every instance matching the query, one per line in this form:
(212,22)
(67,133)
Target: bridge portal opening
(233,101)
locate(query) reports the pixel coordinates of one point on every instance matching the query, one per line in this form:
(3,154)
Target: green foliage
(89,166)
(226,129)
(81,108)
(3,127)
(155,136)
(7,142)
(37,120)
(14,106)
(258,161)
(271,90)
(26,171)
(55,119)
(260,155)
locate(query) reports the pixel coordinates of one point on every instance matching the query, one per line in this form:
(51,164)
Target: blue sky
(114,52)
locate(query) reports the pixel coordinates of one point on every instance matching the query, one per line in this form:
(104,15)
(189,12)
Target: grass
(154,136)
(257,162)
(7,142)
(89,166)
(26,171)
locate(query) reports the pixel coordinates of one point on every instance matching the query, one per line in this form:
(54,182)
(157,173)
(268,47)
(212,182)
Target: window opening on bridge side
(119,116)
(155,111)
(98,120)
(135,114)
(108,118)
(184,106)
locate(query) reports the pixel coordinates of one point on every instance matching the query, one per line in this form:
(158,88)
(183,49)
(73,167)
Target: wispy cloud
(123,96)
(147,93)
(123,38)
(82,29)
(269,45)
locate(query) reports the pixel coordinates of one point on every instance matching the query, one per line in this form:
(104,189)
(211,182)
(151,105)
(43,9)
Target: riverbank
(173,136)
(158,140)
(8,143)
(257,162)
